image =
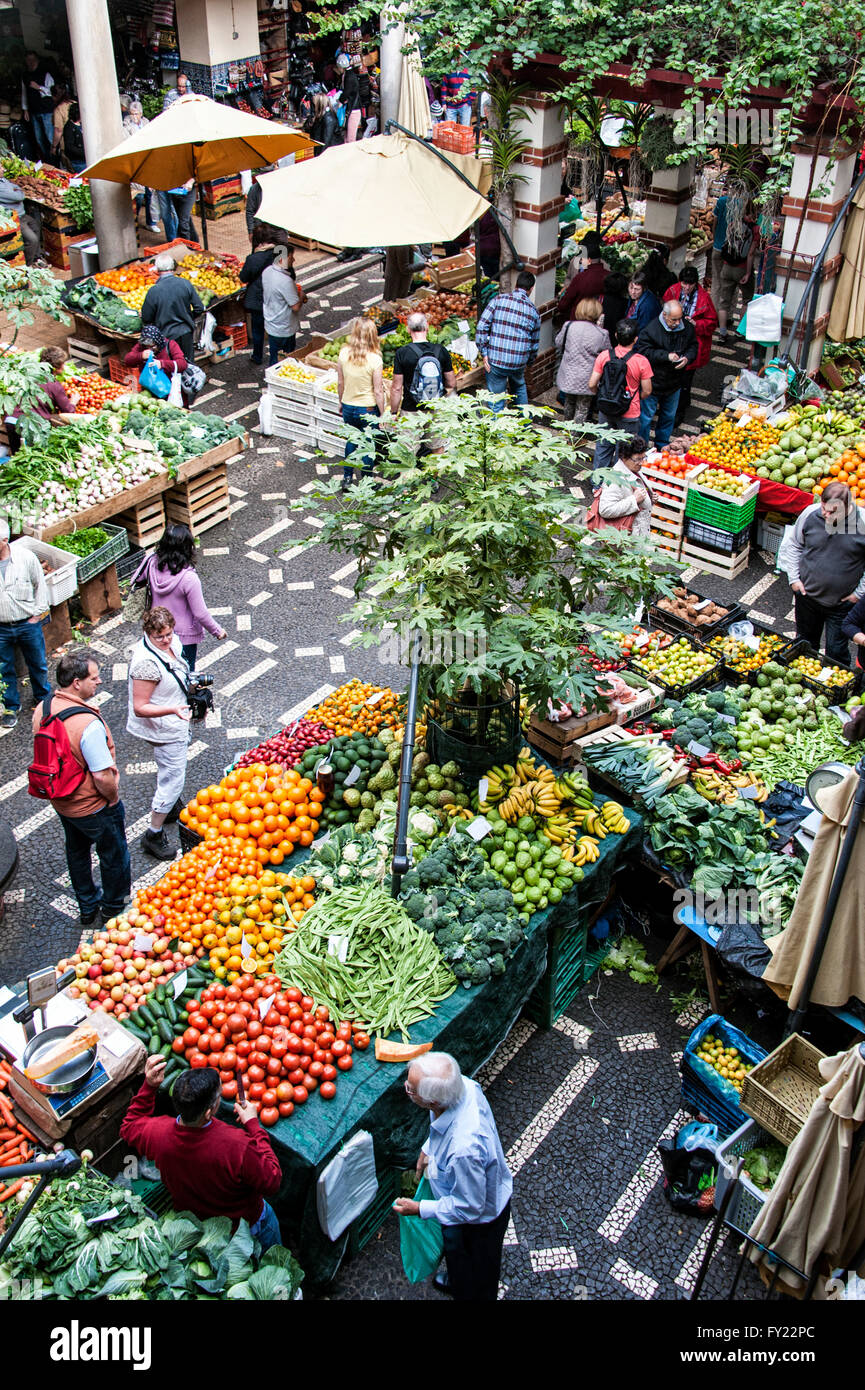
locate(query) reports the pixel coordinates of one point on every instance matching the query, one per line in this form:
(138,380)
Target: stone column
(537,204)
(668,211)
(96,80)
(833,172)
(392,40)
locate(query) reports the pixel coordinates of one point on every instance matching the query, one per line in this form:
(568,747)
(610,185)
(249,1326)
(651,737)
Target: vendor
(12,199)
(853,629)
(825,563)
(171,305)
(209,1167)
(56,406)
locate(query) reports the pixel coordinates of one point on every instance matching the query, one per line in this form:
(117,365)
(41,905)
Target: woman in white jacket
(632,496)
(159,713)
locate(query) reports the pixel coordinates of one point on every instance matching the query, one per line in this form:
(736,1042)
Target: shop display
(268,808)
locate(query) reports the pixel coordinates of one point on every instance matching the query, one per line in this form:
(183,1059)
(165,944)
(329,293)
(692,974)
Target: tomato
(282,1004)
(318,1055)
(268,1115)
(361,1041)
(243,1048)
(178,1045)
(344,1031)
(322,1012)
(219,1020)
(285,1091)
(228,1060)
(279,1050)
(225,1075)
(300,1095)
(269,1097)
(344,1063)
(208,1009)
(204,1043)
(326,1039)
(242,1065)
(256,1073)
(256,1090)
(259,1059)
(307,1047)
(285,1108)
(291,1061)
(198,1060)
(245,1010)
(264,1043)
(250,994)
(306,1019)
(219,991)
(235,1023)
(328,1073)
(198,1020)
(271,1020)
(253,1028)
(217,1042)
(297,1028)
(191,1037)
(311,1083)
(297,1077)
(232,993)
(295,1012)
(316,1069)
(293,994)
(229,1090)
(327,1090)
(274,1066)
(307,1003)
(340,1047)
(329,1058)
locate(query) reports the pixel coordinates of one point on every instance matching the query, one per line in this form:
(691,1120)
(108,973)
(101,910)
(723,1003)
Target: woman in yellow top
(361,392)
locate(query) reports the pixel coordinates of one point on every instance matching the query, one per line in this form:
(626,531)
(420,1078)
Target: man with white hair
(422,371)
(468,1174)
(24,601)
(171,305)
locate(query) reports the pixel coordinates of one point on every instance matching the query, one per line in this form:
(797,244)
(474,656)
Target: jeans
(462,113)
(812,617)
(665,406)
(30,638)
(356,415)
(189,652)
(168,215)
(182,203)
(473,1253)
(607,450)
(266,1229)
(256,324)
(43,131)
(277,345)
(106,831)
(503,379)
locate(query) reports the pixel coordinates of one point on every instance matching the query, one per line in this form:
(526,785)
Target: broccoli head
(497,964)
(715,699)
(495,900)
(430,872)
(480,971)
(415,906)
(410,882)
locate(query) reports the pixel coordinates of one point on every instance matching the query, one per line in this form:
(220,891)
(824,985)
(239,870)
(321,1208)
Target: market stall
(61,201)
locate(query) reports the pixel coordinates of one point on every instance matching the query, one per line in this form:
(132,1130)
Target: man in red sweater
(587,284)
(210,1168)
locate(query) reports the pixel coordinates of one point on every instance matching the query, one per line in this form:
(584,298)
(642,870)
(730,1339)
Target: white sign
(245,949)
(75,183)
(699,750)
(841,713)
(265,1004)
(727,718)
(322,840)
(483,788)
(180,983)
(353,776)
(479,827)
(752,643)
(702,604)
(337,945)
(141,941)
(749,793)
(374,699)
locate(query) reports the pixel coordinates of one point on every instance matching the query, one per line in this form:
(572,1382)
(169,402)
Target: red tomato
(326,1039)
(219,991)
(250,994)
(282,1004)
(209,1009)
(340,1047)
(264,1042)
(243,1048)
(307,1047)
(344,1063)
(327,1090)
(233,993)
(293,994)
(225,1074)
(191,1037)
(219,1020)
(217,1042)
(253,1028)
(295,1012)
(236,1023)
(198,1060)
(285,1091)
(297,1078)
(178,1045)
(268,1115)
(255,1073)
(316,1069)
(322,1012)
(285,1108)
(290,1061)
(306,1003)
(361,1041)
(344,1031)
(228,1061)
(204,1042)
(311,1083)
(229,1090)
(328,1073)
(271,1020)
(310,1031)
(259,1059)
(256,1090)
(269,1097)
(279,1050)
(245,1009)
(300,1095)
(329,1059)
(198,1020)
(242,1065)
(274,1066)
(297,1028)
(318,1055)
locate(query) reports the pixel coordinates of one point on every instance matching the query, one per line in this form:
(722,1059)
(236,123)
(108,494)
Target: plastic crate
(747,1201)
(564,976)
(676,692)
(99,560)
(293,390)
(770,534)
(238,334)
(837,694)
(128,563)
(670,623)
(714,538)
(188,838)
(332,444)
(779,1092)
(126,376)
(729,516)
(749,677)
(369,1223)
(63,580)
(703,1090)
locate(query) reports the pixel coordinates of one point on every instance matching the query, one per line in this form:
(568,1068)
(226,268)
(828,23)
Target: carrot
(10,1191)
(7,1112)
(6,1134)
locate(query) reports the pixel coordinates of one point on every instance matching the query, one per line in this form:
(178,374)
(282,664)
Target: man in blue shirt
(508,335)
(468,1174)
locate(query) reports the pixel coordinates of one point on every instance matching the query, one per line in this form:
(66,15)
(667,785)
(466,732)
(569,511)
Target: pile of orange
(267,808)
(347,710)
(187,894)
(849,468)
(130,282)
(735,446)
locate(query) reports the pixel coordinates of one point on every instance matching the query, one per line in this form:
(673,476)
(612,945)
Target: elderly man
(669,344)
(508,335)
(467,1172)
(825,563)
(24,601)
(181,90)
(171,305)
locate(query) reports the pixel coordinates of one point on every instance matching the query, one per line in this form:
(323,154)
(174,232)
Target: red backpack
(55,771)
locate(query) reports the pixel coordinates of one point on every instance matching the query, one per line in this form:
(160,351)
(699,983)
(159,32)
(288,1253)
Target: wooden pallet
(200,503)
(90,354)
(727,566)
(671,548)
(145,521)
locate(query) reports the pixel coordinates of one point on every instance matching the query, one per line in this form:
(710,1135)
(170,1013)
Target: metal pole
(784,356)
(395,125)
(203,216)
(857,810)
(402,862)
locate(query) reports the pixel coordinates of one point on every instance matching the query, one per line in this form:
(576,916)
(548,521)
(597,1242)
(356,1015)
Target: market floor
(580,1107)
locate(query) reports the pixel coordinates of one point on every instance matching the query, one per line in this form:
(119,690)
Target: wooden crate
(557,740)
(145,521)
(92,355)
(671,548)
(200,503)
(727,566)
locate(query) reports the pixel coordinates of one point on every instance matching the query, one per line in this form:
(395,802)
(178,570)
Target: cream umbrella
(414,112)
(387,191)
(198,139)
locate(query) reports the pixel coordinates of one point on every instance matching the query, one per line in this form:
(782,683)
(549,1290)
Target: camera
(199,696)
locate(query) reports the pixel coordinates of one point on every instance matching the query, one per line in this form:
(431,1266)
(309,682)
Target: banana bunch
(724,788)
(574,790)
(519,802)
(458,812)
(546,798)
(585,851)
(614,818)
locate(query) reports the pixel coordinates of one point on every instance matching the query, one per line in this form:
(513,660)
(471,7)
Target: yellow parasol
(414,112)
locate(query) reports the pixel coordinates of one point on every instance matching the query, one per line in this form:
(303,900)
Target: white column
(392,42)
(668,210)
(537,203)
(96,80)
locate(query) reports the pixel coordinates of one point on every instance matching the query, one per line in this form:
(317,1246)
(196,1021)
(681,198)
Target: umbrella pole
(857,811)
(203,215)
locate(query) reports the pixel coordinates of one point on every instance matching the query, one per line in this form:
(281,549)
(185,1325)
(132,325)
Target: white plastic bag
(205,340)
(265,413)
(765,315)
(175,395)
(347,1185)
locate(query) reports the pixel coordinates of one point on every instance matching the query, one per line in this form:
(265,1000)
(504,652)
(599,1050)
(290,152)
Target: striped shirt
(23,590)
(509,331)
(452,88)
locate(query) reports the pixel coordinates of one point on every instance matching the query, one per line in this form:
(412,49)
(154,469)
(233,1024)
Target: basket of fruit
(817,674)
(689,611)
(716,1060)
(293,379)
(721,498)
(743,657)
(678,668)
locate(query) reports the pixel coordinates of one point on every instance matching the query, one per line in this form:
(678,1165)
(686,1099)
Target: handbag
(192,381)
(421,1243)
(596,522)
(139,598)
(154,379)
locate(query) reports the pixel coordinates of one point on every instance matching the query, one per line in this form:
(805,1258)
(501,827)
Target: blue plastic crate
(703,1090)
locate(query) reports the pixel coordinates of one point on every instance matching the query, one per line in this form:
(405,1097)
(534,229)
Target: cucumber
(159,993)
(171,1068)
(165,1051)
(171,1012)
(135,1027)
(154,1042)
(156,1007)
(144,1015)
(165,1031)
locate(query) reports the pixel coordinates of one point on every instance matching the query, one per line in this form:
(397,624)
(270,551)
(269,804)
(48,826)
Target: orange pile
(187,894)
(849,468)
(130,282)
(734,446)
(267,808)
(346,711)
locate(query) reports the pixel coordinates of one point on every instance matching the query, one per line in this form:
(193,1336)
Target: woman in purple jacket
(174,585)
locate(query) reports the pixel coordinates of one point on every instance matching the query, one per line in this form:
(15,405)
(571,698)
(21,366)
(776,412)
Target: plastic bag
(689,1178)
(421,1243)
(763,319)
(193,381)
(265,413)
(175,393)
(697,1136)
(205,338)
(154,379)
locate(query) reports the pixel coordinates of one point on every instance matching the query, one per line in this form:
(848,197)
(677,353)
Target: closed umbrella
(414,112)
(847,319)
(817,1205)
(387,191)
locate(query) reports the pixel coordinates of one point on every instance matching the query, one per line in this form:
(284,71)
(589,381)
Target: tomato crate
(836,694)
(760,629)
(564,976)
(366,1226)
(703,1090)
(729,516)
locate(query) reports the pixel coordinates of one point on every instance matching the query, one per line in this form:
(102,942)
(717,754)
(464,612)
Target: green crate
(154,1194)
(99,560)
(370,1221)
(728,516)
(564,976)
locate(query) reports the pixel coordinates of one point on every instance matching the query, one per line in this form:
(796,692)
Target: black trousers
(474,1258)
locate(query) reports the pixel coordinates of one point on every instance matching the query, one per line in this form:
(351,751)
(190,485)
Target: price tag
(337,946)
(639,613)
(699,750)
(483,788)
(704,602)
(75,183)
(322,840)
(38,165)
(374,698)
(479,827)
(291,728)
(748,793)
(352,776)
(245,949)
(265,1004)
(727,718)
(142,942)
(641,642)
(180,983)
(842,714)
(409,846)
(106,1216)
(464,326)
(453,829)
(752,643)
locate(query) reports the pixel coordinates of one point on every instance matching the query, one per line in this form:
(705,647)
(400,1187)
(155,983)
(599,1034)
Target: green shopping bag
(420,1242)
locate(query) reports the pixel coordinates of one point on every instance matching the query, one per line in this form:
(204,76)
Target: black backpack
(613,394)
(73,142)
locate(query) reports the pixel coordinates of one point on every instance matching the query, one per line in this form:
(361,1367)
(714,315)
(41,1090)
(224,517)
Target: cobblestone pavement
(580,1107)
